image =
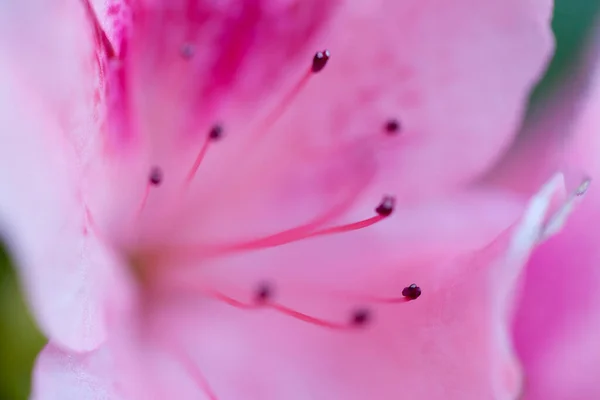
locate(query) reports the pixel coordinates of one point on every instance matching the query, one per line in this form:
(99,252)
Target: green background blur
(19,339)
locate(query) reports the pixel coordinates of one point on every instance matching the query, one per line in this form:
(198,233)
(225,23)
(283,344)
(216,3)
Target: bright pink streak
(198,160)
(282,309)
(279,110)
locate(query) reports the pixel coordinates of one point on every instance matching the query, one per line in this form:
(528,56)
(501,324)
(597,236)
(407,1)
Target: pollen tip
(386,207)
(583,187)
(216,132)
(320,60)
(264,292)
(411,292)
(156,176)
(392,126)
(361,317)
(187,51)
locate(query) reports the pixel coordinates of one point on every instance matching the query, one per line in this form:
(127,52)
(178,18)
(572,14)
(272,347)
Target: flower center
(147,266)
(144,265)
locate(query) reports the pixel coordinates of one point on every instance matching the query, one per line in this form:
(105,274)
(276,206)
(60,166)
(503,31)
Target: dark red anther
(216,132)
(320,60)
(361,317)
(187,51)
(264,292)
(411,292)
(386,207)
(392,126)
(156,176)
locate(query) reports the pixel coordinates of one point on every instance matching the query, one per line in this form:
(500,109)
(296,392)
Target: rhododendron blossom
(270,199)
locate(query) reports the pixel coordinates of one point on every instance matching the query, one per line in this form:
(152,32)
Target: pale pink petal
(451,343)
(557,322)
(425,234)
(441,69)
(60,375)
(46,109)
(187,65)
(455,75)
(557,325)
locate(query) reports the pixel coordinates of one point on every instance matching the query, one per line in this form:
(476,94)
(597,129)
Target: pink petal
(441,68)
(451,343)
(427,233)
(46,114)
(60,375)
(114,18)
(456,76)
(557,324)
(293,169)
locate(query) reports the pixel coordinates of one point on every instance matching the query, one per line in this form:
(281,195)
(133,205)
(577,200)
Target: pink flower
(557,324)
(190,196)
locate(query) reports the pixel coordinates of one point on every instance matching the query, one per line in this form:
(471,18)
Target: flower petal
(451,343)
(187,65)
(60,375)
(427,233)
(114,19)
(46,115)
(441,69)
(557,324)
(456,77)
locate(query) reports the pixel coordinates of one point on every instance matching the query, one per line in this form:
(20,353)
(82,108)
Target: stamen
(215,133)
(392,126)
(156,176)
(235,303)
(411,292)
(264,293)
(359,317)
(320,60)
(187,51)
(558,220)
(286,236)
(310,230)
(154,179)
(386,207)
(583,187)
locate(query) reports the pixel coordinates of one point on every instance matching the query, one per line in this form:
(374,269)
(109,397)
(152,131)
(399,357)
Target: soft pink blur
(557,324)
(148,291)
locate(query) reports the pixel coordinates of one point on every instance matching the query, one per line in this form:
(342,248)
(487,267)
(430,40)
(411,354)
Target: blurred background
(19,339)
